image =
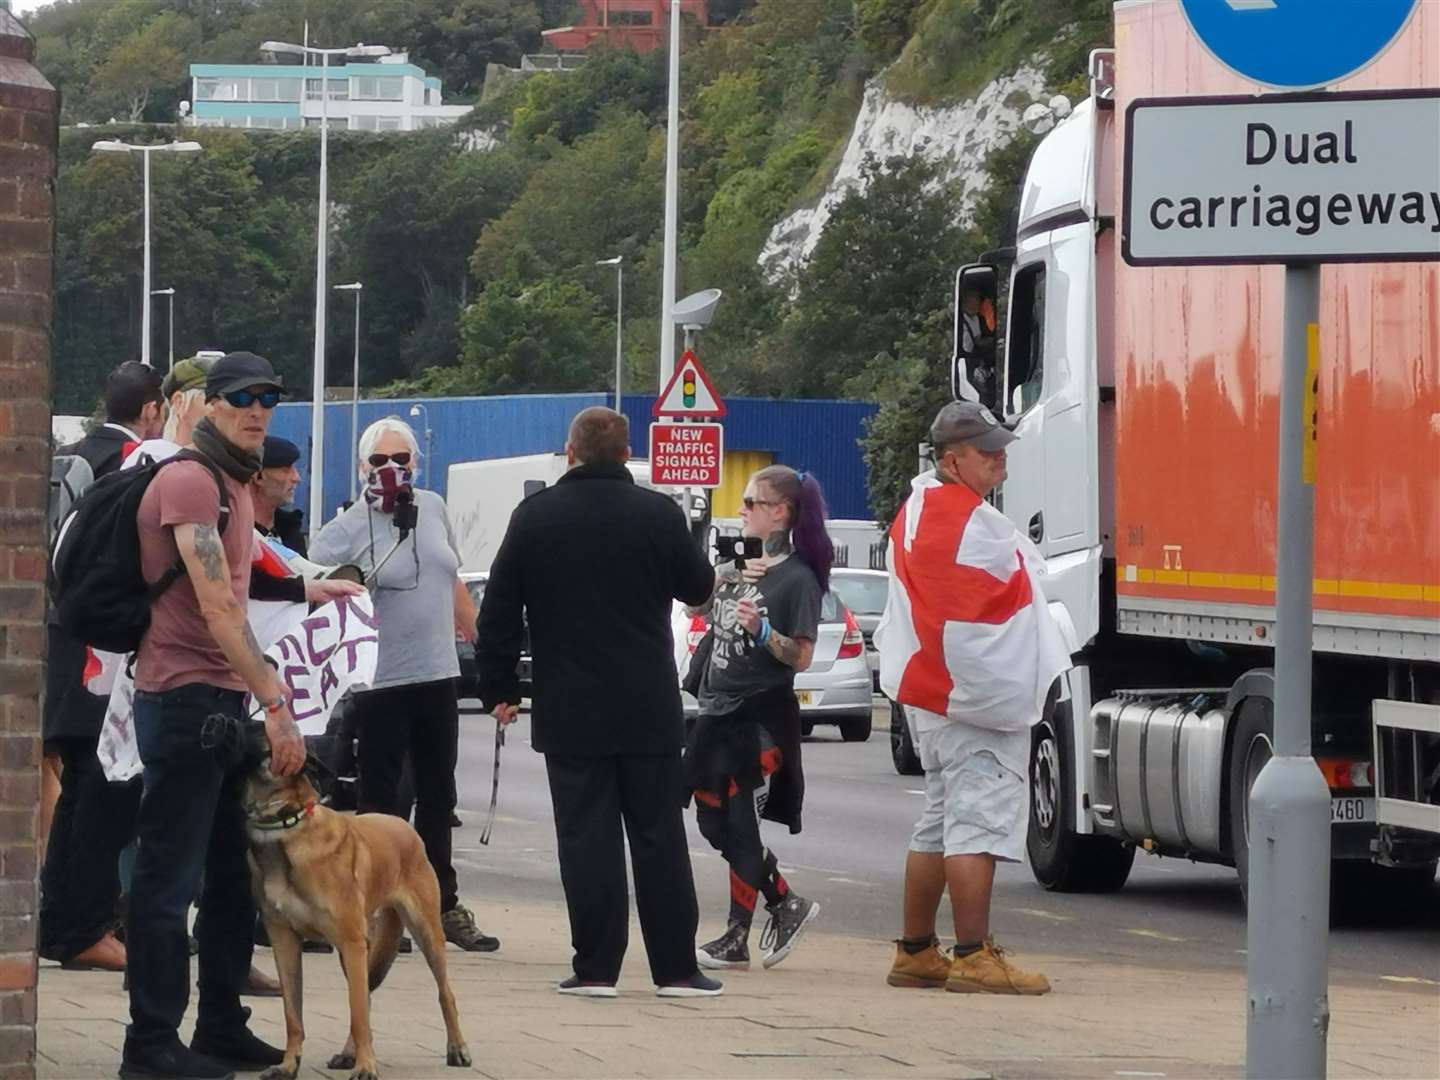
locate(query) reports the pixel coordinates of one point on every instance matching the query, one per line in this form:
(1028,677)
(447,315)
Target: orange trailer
(1147,402)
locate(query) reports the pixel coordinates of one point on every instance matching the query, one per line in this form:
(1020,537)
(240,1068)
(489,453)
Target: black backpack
(100,595)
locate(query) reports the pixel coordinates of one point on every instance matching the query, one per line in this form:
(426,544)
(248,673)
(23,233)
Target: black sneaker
(731,950)
(698,985)
(460,929)
(406,946)
(240,1049)
(787,922)
(170,1063)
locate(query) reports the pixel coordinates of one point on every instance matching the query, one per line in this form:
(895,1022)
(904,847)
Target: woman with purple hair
(743,752)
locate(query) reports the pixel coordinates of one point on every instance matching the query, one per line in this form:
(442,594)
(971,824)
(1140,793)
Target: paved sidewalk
(825,1012)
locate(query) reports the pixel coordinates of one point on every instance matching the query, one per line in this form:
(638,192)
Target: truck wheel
(1061,859)
(856,728)
(902,749)
(1251,747)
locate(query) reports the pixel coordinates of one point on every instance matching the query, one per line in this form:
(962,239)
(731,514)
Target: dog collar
(286,818)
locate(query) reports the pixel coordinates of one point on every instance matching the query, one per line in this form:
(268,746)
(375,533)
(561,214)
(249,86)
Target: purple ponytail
(807,517)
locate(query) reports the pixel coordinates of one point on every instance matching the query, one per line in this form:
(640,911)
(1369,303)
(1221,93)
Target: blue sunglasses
(243,399)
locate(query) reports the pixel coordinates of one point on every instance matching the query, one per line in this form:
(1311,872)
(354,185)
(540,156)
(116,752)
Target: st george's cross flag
(966,633)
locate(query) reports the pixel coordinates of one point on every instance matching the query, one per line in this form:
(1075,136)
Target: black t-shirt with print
(789,596)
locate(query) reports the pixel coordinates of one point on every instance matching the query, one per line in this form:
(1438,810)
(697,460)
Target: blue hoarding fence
(821,436)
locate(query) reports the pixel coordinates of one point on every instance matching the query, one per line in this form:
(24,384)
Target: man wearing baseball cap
(969,649)
(197,660)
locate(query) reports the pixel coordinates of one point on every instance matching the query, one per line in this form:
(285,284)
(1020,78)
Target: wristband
(764,632)
(272,707)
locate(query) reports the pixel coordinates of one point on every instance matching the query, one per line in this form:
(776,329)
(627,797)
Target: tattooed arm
(209,572)
(792,652)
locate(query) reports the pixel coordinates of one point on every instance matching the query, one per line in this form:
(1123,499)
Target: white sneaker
(698,985)
(575,987)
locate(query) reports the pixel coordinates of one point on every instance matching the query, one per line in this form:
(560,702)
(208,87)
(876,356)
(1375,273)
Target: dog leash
(494,784)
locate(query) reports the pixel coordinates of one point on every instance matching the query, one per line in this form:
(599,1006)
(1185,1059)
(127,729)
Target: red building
(638,24)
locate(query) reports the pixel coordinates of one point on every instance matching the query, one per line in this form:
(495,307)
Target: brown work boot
(928,968)
(988,971)
(107,954)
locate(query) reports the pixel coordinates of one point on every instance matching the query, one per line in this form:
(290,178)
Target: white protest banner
(330,652)
(320,657)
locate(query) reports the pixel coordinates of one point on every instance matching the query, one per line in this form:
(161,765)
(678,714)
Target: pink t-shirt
(179,648)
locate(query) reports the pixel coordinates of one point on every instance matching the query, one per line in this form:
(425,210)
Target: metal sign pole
(1289,834)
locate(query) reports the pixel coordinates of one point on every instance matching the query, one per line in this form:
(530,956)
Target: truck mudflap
(1407,769)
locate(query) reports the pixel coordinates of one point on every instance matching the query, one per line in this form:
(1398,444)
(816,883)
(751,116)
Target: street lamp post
(617,262)
(317,415)
(111,146)
(170,292)
(354,287)
(421,411)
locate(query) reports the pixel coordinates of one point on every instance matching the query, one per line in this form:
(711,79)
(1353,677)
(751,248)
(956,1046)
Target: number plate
(807,697)
(1351,808)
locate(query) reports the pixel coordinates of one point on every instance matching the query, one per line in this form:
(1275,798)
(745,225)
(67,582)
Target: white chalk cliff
(961,135)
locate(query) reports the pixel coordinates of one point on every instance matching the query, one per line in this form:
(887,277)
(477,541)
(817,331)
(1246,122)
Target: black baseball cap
(240,371)
(278,452)
(969,421)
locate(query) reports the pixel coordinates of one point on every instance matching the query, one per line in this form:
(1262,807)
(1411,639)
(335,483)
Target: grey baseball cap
(969,421)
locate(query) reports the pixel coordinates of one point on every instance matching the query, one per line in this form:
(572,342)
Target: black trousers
(80,883)
(599,801)
(423,720)
(192,828)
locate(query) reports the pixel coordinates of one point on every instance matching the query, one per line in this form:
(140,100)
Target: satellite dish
(697,309)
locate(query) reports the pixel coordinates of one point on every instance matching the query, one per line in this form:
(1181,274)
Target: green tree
(885,25)
(414,264)
(140,64)
(598,198)
(882,264)
(518,338)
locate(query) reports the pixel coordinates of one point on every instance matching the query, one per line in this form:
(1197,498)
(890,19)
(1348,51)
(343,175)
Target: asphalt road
(858,816)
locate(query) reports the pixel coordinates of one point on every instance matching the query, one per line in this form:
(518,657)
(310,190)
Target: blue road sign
(1297,44)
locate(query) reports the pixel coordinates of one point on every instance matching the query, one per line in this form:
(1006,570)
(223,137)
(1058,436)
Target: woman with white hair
(422,604)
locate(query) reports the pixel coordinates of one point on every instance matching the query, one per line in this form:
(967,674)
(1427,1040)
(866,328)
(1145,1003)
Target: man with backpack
(93,818)
(195,524)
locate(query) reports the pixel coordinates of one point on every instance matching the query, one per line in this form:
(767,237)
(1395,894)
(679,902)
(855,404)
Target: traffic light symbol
(687,388)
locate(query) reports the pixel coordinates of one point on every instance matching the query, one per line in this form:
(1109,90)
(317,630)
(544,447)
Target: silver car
(864,592)
(835,689)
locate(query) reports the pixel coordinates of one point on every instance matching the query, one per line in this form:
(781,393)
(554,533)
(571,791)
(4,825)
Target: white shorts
(975,801)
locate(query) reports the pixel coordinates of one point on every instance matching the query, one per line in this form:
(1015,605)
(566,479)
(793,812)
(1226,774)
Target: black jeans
(94,820)
(423,720)
(192,826)
(593,798)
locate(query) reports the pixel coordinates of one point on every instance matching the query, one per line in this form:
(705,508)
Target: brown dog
(352,881)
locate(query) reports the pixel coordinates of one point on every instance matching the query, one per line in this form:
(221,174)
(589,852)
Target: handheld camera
(737,549)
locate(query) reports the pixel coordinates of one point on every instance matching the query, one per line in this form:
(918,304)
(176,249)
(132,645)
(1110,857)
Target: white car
(835,689)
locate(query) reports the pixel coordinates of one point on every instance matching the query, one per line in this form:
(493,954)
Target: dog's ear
(317,772)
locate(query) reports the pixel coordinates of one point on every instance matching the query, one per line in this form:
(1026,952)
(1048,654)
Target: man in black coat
(597,562)
(94,819)
(273,488)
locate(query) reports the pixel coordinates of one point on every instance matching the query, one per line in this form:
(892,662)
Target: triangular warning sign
(689,393)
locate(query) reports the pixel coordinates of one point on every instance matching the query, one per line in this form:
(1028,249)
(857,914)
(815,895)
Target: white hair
(187,401)
(372,434)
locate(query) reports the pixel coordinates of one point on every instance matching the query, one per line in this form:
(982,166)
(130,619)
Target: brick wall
(28,137)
